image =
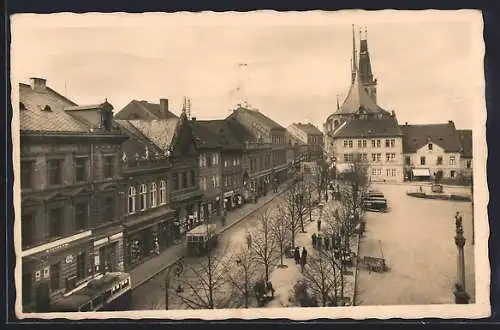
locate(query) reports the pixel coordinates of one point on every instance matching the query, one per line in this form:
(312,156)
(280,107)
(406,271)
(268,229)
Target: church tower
(365,69)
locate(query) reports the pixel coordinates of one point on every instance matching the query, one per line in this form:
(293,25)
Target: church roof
(358,99)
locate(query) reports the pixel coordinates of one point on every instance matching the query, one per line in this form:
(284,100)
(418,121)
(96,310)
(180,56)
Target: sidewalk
(284,279)
(144,272)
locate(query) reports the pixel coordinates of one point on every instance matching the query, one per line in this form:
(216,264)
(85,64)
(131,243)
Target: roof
(35,118)
(240,132)
(218,132)
(387,126)
(259,116)
(465,136)
(308,128)
(358,99)
(204,138)
(151,108)
(159,131)
(444,135)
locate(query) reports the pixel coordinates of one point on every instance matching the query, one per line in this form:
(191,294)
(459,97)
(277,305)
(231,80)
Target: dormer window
(429,146)
(47,108)
(22,106)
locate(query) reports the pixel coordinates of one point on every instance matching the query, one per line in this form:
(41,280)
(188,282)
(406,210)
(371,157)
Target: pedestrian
(420,188)
(327,242)
(249,240)
(296,255)
(314,238)
(319,224)
(303,257)
(318,242)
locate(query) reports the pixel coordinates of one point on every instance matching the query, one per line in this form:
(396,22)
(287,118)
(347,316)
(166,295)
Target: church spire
(354,66)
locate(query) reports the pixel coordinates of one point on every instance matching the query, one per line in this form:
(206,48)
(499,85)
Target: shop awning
(421,172)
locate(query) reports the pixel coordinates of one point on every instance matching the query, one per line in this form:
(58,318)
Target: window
(55,171)
(387,143)
(175,181)
(81,215)
(226,163)
(55,222)
(346,158)
(360,144)
(153,195)
(350,143)
(388,172)
(216,159)
(365,157)
(379,143)
(429,146)
(469,164)
(203,160)
(109,209)
(267,160)
(374,171)
(214,181)
(452,174)
(27,229)
(192,177)
(80,266)
(374,157)
(27,168)
(379,156)
(393,172)
(163,192)
(108,166)
(143,191)
(80,169)
(393,143)
(184,179)
(439,160)
(379,171)
(131,199)
(364,143)
(226,181)
(55,276)
(203,183)
(373,143)
(387,157)
(452,160)
(407,160)
(346,143)
(422,160)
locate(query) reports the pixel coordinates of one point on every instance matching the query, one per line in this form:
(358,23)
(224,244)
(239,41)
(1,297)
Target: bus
(106,292)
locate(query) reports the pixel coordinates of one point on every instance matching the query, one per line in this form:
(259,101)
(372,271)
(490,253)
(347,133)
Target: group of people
(300,259)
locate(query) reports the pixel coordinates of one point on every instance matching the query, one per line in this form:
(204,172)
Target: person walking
(249,240)
(319,242)
(314,239)
(296,255)
(327,242)
(303,258)
(319,224)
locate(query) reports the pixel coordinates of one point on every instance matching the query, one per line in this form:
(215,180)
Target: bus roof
(91,290)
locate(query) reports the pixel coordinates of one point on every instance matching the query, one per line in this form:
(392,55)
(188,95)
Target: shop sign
(69,258)
(46,272)
(55,248)
(38,275)
(228,194)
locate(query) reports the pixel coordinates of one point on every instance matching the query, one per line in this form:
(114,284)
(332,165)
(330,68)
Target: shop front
(228,200)
(108,253)
(54,269)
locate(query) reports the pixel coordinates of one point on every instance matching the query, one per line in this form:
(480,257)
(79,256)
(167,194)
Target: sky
(429,66)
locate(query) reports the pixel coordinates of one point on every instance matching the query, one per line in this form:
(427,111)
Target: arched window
(131,199)
(163,192)
(143,191)
(153,195)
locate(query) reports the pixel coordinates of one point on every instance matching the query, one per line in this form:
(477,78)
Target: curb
(154,274)
(356,273)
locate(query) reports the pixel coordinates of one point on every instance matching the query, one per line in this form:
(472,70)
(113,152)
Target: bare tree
(205,284)
(321,277)
(242,273)
(281,232)
(290,210)
(264,244)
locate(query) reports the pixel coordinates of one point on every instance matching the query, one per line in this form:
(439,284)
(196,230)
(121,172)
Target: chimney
(38,83)
(193,118)
(393,113)
(164,108)
(406,123)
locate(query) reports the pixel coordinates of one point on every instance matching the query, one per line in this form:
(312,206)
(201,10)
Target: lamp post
(461,296)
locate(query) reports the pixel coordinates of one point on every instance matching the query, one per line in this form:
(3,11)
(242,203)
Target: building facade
(309,138)
(71,208)
(466,164)
(149,220)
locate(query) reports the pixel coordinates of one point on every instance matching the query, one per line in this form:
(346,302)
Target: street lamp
(461,296)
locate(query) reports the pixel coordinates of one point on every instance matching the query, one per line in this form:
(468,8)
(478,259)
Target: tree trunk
(167,286)
(281,254)
(267,272)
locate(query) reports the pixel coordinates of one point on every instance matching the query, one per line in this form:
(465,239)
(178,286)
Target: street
(151,295)
(417,238)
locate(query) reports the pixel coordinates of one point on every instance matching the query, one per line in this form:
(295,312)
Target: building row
(361,129)
(105,192)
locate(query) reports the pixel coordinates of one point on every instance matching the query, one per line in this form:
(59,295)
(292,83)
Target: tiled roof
(465,136)
(203,137)
(263,119)
(152,108)
(240,132)
(218,132)
(34,117)
(444,135)
(369,128)
(158,131)
(308,128)
(357,98)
